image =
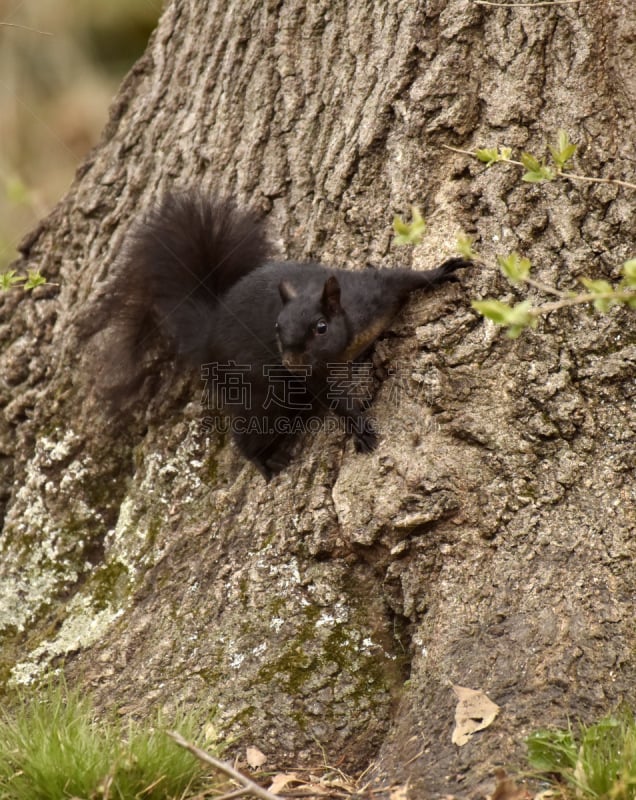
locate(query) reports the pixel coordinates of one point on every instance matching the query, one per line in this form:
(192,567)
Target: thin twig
(24,28)
(569,175)
(542,287)
(237,793)
(579,300)
(528,5)
(415,757)
(222,766)
(459,150)
(616,181)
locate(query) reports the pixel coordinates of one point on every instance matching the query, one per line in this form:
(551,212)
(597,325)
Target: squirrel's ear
(331,296)
(287,291)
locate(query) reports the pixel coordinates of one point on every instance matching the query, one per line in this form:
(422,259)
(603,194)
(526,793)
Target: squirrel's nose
(293,359)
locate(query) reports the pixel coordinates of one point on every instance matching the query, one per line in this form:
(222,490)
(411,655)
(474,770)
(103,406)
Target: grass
(53,748)
(596,761)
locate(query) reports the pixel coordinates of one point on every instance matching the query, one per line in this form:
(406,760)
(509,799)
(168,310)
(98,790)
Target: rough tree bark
(490,539)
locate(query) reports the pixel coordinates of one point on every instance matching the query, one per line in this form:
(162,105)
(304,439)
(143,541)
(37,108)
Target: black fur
(194,280)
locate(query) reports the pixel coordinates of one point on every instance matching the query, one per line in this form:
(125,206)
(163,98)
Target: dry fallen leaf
(474,712)
(281,780)
(508,789)
(399,793)
(254,757)
(311,790)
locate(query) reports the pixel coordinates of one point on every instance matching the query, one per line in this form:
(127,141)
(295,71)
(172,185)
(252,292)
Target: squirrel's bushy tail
(176,265)
(183,257)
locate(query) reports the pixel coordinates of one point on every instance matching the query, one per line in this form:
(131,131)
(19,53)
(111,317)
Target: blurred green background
(55,91)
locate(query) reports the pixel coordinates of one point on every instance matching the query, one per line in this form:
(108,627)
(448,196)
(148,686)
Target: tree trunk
(489,541)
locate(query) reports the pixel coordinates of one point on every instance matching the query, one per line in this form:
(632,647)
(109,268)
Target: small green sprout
(9,279)
(516,318)
(537,171)
(464,244)
(515,267)
(12,278)
(34,278)
(409,232)
(601,288)
(490,155)
(564,149)
(629,274)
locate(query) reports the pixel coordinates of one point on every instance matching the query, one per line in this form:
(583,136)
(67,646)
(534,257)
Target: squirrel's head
(312,327)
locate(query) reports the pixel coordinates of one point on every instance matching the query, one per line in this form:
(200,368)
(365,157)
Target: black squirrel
(195,273)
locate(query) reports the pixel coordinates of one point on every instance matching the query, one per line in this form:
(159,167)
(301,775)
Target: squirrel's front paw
(278,461)
(448,268)
(451,264)
(272,464)
(365,439)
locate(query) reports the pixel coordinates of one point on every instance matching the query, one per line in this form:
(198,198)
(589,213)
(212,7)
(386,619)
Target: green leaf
(563,139)
(597,287)
(515,267)
(600,287)
(537,171)
(34,278)
(628,299)
(514,331)
(544,174)
(629,273)
(521,317)
(552,751)
(9,279)
(488,155)
(416,217)
(493,310)
(516,318)
(400,227)
(464,245)
(563,151)
(530,162)
(409,232)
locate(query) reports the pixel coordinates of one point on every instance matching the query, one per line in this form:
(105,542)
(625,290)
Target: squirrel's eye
(321,327)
